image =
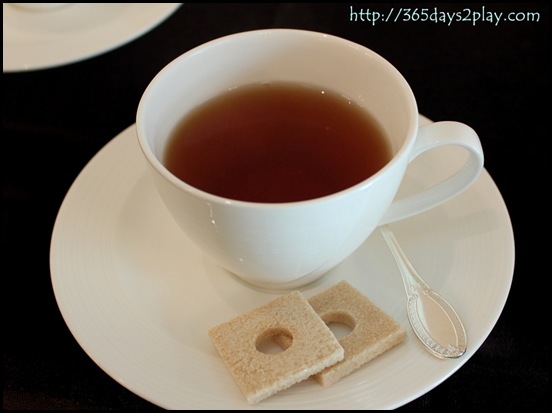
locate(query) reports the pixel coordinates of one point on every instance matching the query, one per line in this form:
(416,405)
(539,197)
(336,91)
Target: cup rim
(216,199)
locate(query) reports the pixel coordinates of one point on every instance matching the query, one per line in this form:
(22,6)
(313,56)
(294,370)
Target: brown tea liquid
(277,142)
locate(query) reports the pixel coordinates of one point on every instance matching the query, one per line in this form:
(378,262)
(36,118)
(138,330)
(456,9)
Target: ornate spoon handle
(432,318)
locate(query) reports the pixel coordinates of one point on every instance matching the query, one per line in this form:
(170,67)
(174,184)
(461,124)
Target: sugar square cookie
(311,346)
(373,331)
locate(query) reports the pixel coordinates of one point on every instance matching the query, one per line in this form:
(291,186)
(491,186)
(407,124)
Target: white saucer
(139,297)
(43,39)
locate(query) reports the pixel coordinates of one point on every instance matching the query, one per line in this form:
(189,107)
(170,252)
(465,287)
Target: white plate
(139,297)
(44,39)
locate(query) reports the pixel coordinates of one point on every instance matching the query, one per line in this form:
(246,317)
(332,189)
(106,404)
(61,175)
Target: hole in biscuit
(274,341)
(340,330)
(340,324)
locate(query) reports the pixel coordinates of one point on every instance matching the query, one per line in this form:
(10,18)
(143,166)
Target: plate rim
(36,61)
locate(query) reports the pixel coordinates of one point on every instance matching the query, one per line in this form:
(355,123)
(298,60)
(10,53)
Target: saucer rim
(111,156)
(49,55)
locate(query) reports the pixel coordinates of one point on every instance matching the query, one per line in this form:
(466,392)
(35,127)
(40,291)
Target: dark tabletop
(491,76)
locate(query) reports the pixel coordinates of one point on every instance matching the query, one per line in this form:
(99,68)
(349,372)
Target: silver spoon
(432,318)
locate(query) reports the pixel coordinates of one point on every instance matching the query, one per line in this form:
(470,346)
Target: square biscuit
(311,346)
(373,331)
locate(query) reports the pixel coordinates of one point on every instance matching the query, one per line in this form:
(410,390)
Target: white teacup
(286,245)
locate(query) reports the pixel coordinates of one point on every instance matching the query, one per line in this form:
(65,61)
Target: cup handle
(433,136)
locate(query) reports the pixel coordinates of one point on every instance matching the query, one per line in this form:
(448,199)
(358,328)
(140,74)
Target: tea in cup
(279,151)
